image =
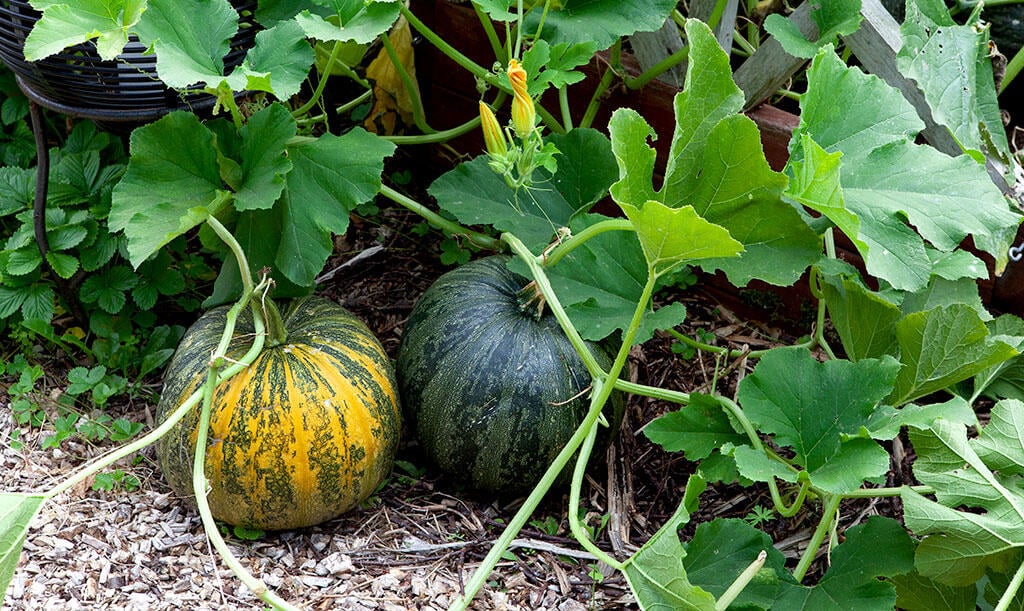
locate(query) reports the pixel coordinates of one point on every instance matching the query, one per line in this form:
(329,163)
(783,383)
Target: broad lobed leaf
(64,24)
(716,164)
(807,405)
(190,38)
(834,19)
(951,64)
(891,184)
(182,171)
(976,521)
(880,547)
(656,574)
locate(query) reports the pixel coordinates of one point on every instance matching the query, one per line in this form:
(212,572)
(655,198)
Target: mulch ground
(415,544)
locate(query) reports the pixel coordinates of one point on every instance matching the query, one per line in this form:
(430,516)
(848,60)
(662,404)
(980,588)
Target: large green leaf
(601,282)
(696,430)
(656,574)
(717,165)
(941,292)
(892,184)
(264,160)
(708,97)
(941,347)
(478,196)
(65,23)
(278,62)
(952,66)
(16,513)
(586,166)
(739,191)
(172,184)
(357,20)
(959,545)
(1005,380)
(888,420)
(601,22)
(915,592)
(865,320)
(815,183)
(330,176)
(673,236)
(833,114)
(810,406)
(721,549)
(191,38)
(880,547)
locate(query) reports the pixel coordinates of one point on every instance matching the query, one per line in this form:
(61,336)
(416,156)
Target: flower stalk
(519,150)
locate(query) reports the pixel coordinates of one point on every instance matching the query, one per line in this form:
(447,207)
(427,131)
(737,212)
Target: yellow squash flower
(493,136)
(524,115)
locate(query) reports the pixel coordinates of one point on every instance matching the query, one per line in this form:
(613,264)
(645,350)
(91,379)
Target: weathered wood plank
(726,27)
(770,67)
(649,48)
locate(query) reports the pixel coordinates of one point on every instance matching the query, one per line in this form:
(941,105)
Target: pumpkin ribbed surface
(304,434)
(492,392)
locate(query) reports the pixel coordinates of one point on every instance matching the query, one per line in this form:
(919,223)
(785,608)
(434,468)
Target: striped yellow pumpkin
(305,433)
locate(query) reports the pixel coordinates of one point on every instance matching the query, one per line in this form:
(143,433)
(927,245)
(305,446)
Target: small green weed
(593,531)
(453,252)
(116,479)
(759,516)
(549,525)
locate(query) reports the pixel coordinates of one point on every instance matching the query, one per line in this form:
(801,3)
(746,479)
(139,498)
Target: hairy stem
(727,352)
(563,106)
(1007,599)
(248,286)
(741,582)
(435,219)
(870,493)
(492,36)
(410,86)
(453,53)
(824,525)
(602,86)
(574,502)
(1013,68)
(654,392)
(199,481)
(557,253)
(321,83)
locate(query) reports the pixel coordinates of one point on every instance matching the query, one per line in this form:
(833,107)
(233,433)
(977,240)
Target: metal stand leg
(65,288)
(42,179)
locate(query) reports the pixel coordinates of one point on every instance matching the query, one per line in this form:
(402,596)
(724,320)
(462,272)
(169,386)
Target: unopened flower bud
(523,113)
(493,136)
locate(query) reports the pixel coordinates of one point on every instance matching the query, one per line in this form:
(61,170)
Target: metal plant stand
(118,95)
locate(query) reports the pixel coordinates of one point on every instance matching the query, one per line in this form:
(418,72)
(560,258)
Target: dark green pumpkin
(305,433)
(492,392)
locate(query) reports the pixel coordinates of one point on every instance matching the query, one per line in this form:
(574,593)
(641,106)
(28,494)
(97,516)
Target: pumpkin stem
(276,332)
(531,300)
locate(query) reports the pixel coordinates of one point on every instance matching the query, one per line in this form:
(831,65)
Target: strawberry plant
(916,345)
